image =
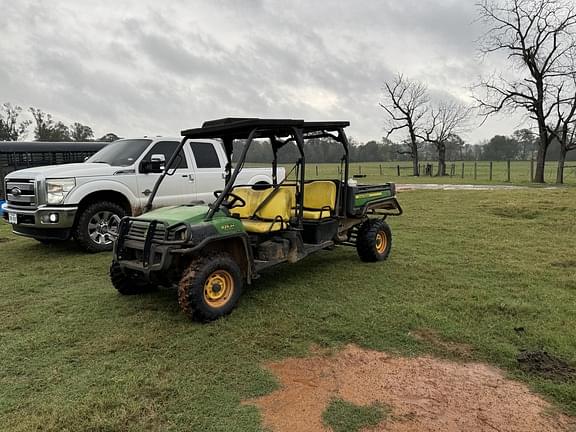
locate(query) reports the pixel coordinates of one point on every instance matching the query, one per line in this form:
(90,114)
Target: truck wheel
(210,287)
(126,285)
(94,225)
(374,241)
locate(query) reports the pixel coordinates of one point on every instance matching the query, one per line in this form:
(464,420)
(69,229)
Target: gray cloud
(143,67)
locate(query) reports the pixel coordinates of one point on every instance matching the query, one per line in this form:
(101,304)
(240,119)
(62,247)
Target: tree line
(45,128)
(521,145)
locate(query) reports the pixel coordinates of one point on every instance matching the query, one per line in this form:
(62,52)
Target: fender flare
(80,193)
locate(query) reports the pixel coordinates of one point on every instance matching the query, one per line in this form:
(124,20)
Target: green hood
(177,214)
(194,216)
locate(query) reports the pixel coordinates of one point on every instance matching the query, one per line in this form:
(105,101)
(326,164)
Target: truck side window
(167,148)
(205,155)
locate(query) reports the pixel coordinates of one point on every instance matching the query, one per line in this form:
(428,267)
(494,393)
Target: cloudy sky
(142,67)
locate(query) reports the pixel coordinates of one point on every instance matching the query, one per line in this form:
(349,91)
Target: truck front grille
(21,193)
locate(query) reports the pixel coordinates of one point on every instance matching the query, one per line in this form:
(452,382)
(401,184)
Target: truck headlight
(57,189)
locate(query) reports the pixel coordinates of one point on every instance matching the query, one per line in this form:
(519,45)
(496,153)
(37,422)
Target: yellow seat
(272,216)
(319,200)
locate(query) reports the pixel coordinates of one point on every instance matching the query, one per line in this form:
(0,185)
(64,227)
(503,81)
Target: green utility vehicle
(212,251)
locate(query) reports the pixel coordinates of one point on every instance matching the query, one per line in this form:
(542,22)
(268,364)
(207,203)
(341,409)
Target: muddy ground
(423,394)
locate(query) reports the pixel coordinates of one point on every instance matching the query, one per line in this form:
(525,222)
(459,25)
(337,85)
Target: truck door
(177,187)
(208,172)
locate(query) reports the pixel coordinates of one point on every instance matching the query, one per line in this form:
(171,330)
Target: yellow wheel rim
(381,242)
(218,288)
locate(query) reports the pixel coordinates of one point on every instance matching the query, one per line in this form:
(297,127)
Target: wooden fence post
(380,169)
(475,170)
(490,170)
(531,170)
(398,170)
(462,169)
(359,169)
(508,170)
(316,170)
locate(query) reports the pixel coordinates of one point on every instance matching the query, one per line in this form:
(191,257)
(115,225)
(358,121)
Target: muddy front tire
(374,241)
(126,285)
(210,287)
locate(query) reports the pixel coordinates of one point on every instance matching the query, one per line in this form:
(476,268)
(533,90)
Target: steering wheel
(231,203)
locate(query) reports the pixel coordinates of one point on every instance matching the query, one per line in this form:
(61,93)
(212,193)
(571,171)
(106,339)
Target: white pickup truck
(81,200)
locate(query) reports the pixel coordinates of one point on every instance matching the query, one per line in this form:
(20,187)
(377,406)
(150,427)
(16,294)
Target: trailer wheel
(374,241)
(210,287)
(126,285)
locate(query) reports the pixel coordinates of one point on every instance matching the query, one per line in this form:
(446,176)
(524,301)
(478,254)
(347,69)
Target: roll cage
(279,132)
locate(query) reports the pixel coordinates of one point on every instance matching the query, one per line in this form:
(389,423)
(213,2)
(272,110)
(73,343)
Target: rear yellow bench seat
(319,199)
(272,216)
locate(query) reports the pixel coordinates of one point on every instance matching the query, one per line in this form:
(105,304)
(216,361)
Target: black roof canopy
(240,128)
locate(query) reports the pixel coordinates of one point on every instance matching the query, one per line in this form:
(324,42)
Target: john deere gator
(212,251)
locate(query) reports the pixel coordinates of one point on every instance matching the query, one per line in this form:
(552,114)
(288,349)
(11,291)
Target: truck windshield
(121,152)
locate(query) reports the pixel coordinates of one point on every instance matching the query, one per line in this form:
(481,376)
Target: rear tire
(210,287)
(126,285)
(374,241)
(94,224)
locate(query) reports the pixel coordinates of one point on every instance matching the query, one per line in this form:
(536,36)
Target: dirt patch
(431,337)
(424,394)
(546,365)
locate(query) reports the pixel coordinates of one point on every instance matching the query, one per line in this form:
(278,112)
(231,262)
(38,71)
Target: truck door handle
(146,192)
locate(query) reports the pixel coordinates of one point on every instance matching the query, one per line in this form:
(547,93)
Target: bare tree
(405,103)
(538,38)
(10,128)
(564,129)
(446,119)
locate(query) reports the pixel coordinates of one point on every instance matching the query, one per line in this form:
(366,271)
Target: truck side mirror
(156,164)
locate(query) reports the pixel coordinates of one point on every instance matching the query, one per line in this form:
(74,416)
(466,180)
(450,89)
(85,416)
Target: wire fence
(456,171)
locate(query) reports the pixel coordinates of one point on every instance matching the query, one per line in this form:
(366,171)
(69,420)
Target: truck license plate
(12,218)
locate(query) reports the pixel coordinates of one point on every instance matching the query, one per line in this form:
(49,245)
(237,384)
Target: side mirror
(156,164)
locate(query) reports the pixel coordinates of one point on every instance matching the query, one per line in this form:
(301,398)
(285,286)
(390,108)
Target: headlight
(57,189)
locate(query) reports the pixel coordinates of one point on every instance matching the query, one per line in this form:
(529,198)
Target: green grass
(377,172)
(469,265)
(342,416)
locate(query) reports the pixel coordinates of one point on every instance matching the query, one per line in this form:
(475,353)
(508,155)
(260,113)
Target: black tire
(84,233)
(374,241)
(126,285)
(194,294)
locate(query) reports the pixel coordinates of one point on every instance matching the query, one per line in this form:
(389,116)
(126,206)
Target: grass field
(387,171)
(469,265)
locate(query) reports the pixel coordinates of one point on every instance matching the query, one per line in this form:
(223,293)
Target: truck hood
(68,170)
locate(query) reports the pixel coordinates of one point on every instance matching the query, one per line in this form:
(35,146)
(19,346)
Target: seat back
(278,206)
(320,195)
